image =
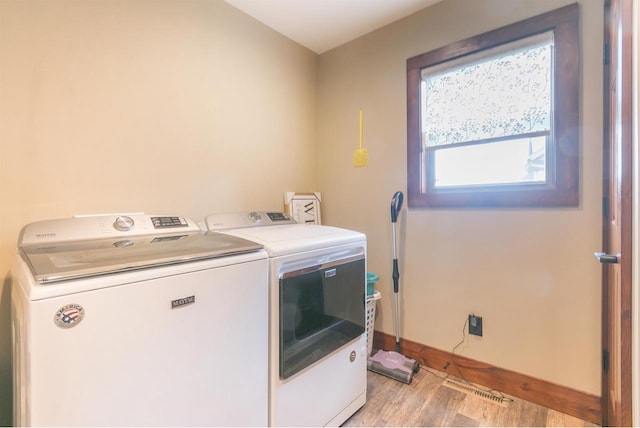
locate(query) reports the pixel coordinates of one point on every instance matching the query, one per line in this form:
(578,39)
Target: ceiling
(321,25)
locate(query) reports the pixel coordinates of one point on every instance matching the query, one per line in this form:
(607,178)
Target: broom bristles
(360,157)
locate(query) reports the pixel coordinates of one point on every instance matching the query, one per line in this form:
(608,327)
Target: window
(493,120)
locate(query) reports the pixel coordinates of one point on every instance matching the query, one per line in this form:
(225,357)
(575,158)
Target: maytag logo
(45,235)
(181,302)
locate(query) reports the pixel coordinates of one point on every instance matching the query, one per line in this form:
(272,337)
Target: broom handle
(396,206)
(396,272)
(396,320)
(396,277)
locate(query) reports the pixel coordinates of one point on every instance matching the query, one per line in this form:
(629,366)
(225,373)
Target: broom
(360,156)
(392,363)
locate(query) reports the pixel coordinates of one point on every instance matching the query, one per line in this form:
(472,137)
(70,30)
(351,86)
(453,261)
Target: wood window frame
(562,187)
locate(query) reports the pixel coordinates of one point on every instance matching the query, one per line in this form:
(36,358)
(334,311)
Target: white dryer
(317,344)
(138,320)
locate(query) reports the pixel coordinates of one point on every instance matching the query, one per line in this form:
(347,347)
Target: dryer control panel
(247,219)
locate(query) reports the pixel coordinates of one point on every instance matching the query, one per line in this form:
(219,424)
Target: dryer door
(322,308)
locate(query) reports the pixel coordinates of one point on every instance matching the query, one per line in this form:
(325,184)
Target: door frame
(620,413)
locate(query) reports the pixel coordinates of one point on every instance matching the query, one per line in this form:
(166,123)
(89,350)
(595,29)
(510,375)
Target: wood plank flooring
(426,402)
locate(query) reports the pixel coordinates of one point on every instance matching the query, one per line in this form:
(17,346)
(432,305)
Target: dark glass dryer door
(322,308)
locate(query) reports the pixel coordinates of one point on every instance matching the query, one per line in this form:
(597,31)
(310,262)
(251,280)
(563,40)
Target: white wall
(530,274)
(186,107)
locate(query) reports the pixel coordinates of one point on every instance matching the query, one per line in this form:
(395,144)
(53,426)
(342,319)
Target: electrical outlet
(475,325)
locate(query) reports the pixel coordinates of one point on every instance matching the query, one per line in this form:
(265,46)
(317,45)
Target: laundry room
(193,107)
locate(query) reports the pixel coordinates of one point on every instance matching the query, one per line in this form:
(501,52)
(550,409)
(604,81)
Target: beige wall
(192,107)
(530,274)
(186,107)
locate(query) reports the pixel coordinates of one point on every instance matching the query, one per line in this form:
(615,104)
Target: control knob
(255,217)
(123,223)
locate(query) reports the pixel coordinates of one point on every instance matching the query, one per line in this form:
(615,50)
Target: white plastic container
(370,318)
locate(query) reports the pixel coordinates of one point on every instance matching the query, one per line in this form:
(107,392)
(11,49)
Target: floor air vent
(474,390)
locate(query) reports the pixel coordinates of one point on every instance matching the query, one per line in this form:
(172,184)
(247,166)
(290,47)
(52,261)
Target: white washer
(317,344)
(138,320)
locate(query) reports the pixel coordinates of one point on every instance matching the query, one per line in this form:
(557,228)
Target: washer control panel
(124,223)
(82,228)
(168,222)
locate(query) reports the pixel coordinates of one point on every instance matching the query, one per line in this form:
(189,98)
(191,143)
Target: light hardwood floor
(426,402)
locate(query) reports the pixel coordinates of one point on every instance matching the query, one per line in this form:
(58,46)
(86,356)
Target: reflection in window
(509,161)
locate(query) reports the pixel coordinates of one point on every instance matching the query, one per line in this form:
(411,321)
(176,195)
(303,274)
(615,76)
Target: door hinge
(605,361)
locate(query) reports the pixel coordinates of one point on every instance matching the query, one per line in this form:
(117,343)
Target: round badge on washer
(69,315)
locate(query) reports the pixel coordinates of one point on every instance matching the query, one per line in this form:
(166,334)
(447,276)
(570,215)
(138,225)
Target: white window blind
(499,93)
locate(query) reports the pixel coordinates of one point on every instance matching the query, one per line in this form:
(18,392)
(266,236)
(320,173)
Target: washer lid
(52,262)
